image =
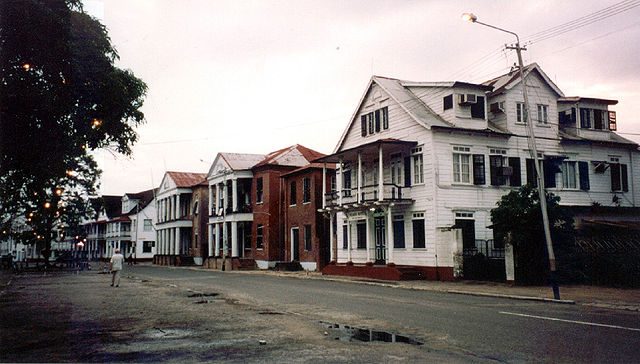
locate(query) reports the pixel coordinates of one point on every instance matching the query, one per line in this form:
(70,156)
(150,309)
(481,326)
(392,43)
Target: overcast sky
(256,76)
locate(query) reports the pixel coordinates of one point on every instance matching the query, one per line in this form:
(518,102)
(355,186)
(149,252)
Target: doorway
(380,240)
(295,244)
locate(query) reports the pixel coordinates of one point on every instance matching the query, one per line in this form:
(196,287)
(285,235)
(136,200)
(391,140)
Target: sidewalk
(605,297)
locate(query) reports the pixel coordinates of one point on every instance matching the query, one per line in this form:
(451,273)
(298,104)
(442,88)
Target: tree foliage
(61,96)
(518,216)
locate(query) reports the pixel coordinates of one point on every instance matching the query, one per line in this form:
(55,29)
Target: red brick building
(306,231)
(268,202)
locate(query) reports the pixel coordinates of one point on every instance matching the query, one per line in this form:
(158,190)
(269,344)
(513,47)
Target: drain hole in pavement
(270,313)
(201,302)
(349,333)
(203,295)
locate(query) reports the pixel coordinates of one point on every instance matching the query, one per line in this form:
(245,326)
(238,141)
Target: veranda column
(217,204)
(348,227)
(331,238)
(389,235)
(234,193)
(210,207)
(234,239)
(210,228)
(380,175)
(324,185)
(177,207)
(359,199)
(368,236)
(178,252)
(339,182)
(218,236)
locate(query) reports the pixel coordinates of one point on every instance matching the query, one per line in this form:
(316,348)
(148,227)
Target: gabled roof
(507,81)
(407,100)
(144,198)
(296,155)
(240,161)
(188,179)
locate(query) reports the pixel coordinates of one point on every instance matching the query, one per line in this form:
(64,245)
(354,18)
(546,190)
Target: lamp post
(534,153)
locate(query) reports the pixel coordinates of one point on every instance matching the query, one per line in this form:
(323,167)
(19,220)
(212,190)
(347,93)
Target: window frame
(306,190)
(417,219)
(521,115)
(542,113)
(259,190)
(147,227)
(460,152)
(293,193)
(417,164)
(399,235)
(308,238)
(259,237)
(567,178)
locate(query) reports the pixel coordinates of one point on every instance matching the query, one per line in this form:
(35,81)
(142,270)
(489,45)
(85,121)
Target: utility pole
(534,154)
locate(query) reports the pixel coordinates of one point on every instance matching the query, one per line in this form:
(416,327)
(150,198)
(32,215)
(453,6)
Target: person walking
(116,267)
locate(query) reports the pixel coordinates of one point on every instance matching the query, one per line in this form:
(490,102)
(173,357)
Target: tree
(61,97)
(518,216)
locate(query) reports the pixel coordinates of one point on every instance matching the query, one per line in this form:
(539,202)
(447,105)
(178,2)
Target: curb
(400,286)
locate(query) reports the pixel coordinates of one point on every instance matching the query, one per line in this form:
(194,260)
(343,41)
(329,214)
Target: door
(468,234)
(295,244)
(380,240)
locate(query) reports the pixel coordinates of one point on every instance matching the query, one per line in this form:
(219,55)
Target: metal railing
(484,247)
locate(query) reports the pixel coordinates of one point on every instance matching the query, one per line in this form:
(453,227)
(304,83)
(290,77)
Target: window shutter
(531,173)
(407,171)
(549,173)
(495,162)
(516,178)
(583,169)
(615,177)
(377,120)
(478,169)
(625,181)
(363,125)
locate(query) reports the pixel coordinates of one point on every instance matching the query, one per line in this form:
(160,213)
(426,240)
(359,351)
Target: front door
(468,234)
(380,240)
(295,244)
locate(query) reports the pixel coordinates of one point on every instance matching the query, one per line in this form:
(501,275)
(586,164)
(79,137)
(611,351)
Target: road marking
(570,321)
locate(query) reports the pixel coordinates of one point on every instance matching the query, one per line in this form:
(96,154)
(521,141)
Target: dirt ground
(66,317)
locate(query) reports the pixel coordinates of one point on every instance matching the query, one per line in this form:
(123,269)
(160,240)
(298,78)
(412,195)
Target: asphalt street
(485,327)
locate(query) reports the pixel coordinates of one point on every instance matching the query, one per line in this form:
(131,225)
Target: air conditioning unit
(497,107)
(467,99)
(507,171)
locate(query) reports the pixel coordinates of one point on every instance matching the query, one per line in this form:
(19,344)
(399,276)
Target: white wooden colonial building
(421,164)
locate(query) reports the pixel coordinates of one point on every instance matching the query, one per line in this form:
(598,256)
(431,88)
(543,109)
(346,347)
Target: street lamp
(470,17)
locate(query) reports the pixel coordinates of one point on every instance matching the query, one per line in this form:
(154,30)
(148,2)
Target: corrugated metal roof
(188,179)
(508,80)
(296,155)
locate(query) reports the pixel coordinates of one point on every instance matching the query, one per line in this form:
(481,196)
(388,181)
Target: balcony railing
(370,193)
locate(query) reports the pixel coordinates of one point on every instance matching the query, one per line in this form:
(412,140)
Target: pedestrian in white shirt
(116,267)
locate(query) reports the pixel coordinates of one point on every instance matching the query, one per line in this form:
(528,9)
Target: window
(384,112)
(148,225)
(418,230)
(374,121)
(521,116)
(398,232)
(477,109)
(147,246)
(346,180)
(598,119)
(619,176)
(583,172)
(497,160)
(361,229)
(333,183)
(259,237)
(543,112)
(569,175)
(447,102)
(478,169)
(259,190)
(306,190)
(585,118)
(307,238)
(418,172)
(396,169)
(461,170)
(292,193)
(345,236)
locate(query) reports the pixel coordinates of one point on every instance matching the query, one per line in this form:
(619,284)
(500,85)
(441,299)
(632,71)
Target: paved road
(483,327)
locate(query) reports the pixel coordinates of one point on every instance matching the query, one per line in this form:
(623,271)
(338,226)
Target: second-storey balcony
(377,173)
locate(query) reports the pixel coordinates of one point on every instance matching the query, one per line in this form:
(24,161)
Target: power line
(584,21)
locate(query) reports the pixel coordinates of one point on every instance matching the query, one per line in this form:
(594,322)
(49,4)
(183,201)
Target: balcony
(369,196)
